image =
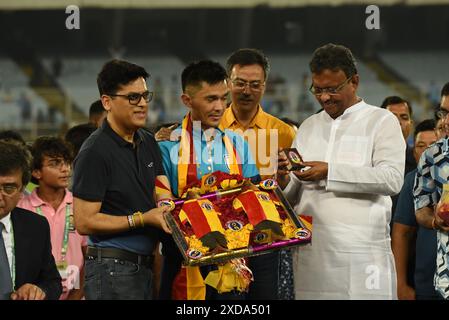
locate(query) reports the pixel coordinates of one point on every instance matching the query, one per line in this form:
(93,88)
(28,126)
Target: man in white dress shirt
(354,158)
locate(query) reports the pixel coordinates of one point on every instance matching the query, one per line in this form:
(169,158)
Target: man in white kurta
(355,152)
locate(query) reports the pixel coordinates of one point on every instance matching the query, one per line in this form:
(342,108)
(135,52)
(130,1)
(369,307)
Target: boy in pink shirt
(51,167)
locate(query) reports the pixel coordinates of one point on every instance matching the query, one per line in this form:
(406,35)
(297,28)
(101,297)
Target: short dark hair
(396,100)
(51,147)
(333,57)
(13,157)
(78,134)
(445,90)
(96,108)
(425,125)
(436,117)
(116,73)
(208,71)
(246,57)
(11,135)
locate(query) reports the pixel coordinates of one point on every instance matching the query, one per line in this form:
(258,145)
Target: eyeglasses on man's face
(252,85)
(9,189)
(57,163)
(331,90)
(134,97)
(442,113)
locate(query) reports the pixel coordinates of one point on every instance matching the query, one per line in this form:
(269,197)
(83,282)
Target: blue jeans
(114,279)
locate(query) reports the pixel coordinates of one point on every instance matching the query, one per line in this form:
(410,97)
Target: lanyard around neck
(13,256)
(65,240)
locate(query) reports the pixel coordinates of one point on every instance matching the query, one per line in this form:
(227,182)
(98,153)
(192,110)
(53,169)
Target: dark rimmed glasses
(134,98)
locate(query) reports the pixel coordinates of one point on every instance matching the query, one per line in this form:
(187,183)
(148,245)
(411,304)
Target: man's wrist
(136,220)
(434,226)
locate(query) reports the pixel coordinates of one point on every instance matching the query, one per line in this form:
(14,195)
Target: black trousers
(265,270)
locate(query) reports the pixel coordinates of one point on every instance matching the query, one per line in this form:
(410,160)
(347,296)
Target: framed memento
(294,159)
(234,219)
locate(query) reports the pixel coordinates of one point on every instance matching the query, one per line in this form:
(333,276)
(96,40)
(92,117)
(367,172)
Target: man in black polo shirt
(114,188)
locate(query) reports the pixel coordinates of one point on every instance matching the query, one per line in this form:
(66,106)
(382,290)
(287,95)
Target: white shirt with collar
(7,237)
(350,256)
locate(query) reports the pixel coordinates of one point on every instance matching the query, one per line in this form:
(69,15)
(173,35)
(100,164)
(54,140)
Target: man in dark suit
(27,267)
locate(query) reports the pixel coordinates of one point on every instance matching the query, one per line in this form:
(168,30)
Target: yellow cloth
(196,290)
(203,213)
(226,279)
(261,120)
(162,188)
(184,155)
(258,205)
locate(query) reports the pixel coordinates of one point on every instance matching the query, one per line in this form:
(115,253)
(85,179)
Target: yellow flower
(238,238)
(230,183)
(289,229)
(194,243)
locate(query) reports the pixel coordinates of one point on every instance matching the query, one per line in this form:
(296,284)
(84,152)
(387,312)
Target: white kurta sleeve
(291,191)
(385,176)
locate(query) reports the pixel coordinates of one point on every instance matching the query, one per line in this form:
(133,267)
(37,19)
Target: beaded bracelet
(131,222)
(140,215)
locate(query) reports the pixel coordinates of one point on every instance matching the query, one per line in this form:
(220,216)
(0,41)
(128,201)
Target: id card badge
(71,223)
(62,268)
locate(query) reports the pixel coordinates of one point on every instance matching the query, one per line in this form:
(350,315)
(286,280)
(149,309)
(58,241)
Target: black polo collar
(138,138)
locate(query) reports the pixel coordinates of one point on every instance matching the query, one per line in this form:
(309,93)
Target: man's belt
(119,254)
